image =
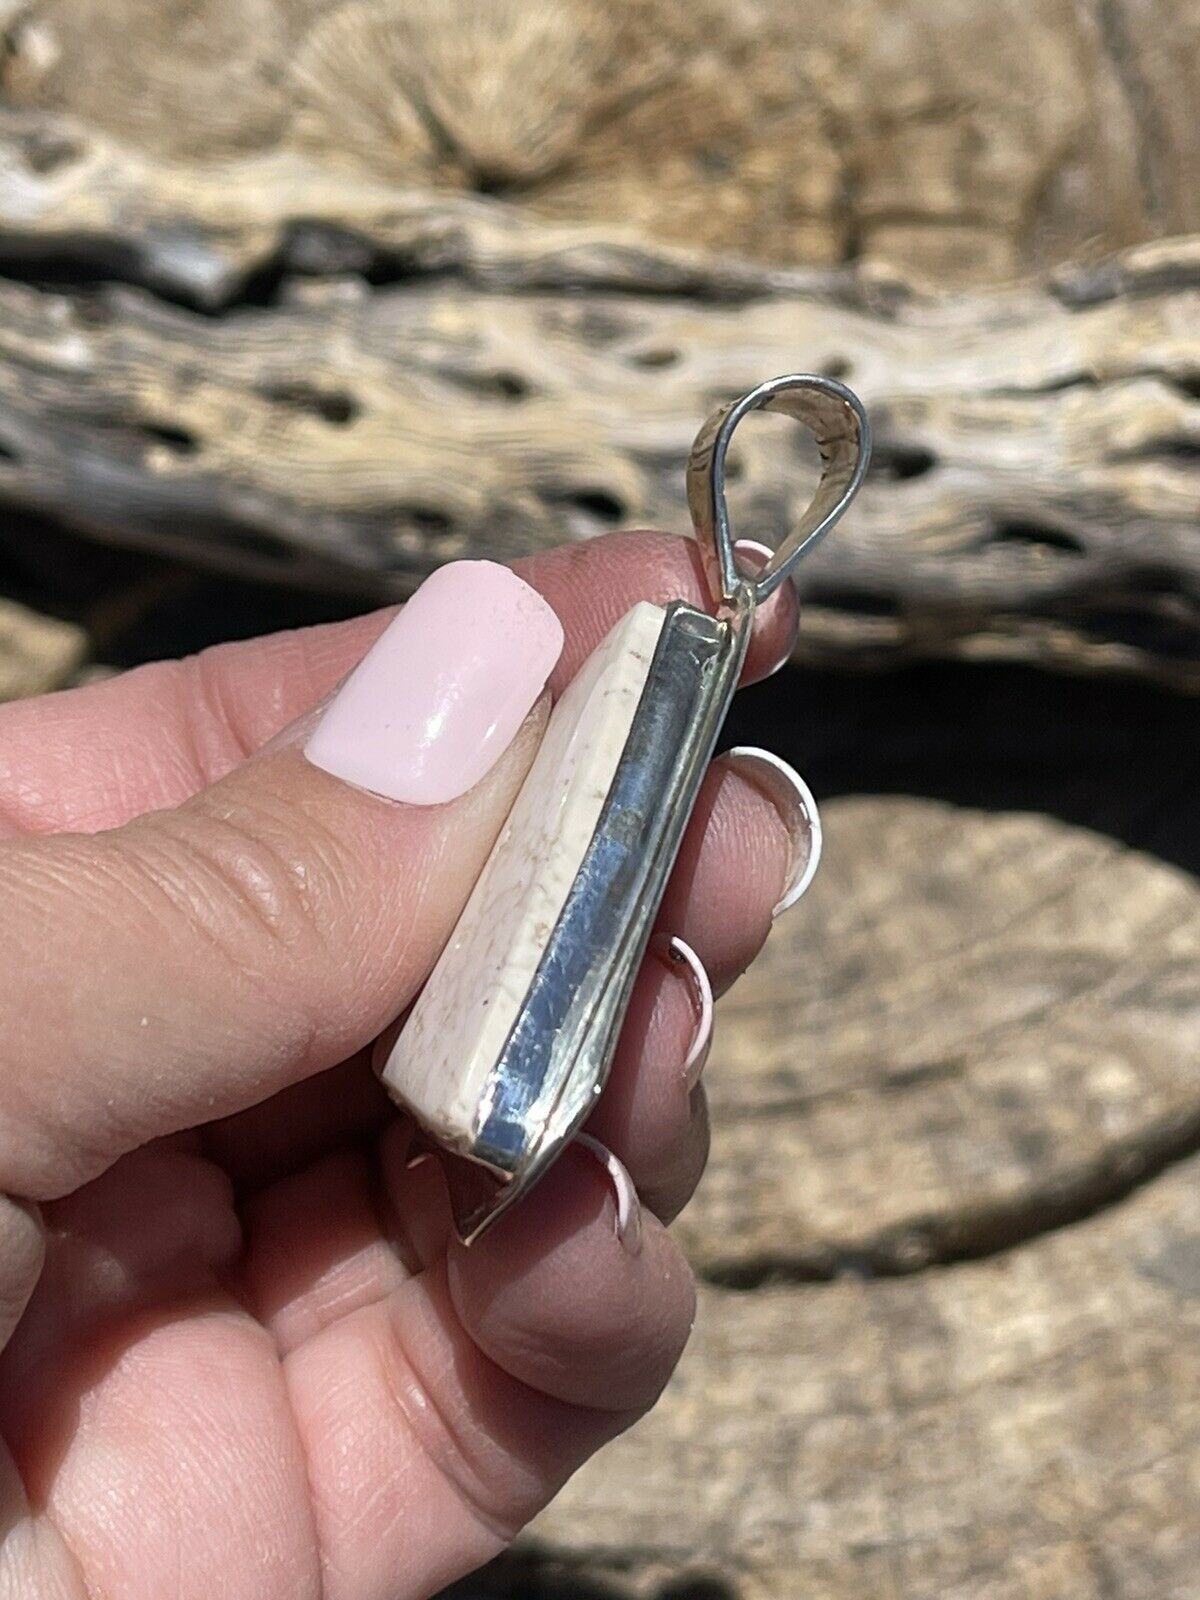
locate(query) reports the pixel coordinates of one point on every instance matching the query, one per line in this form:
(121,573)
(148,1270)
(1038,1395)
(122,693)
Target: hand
(245,1356)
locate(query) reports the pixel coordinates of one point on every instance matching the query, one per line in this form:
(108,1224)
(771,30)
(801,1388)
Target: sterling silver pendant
(509,1044)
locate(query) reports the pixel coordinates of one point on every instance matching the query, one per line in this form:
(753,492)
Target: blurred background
(299,298)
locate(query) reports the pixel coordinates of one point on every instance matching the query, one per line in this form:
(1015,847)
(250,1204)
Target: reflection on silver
(835,417)
(557,1054)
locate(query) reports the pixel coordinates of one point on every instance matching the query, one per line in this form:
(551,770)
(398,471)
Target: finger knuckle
(486,1481)
(245,885)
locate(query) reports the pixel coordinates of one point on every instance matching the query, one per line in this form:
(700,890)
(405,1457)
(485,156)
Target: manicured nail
(677,954)
(792,798)
(441,693)
(754,554)
(629,1207)
(754,557)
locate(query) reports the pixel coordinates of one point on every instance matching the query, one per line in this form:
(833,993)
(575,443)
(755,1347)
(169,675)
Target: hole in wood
(597,506)
(1022,530)
(494,182)
(497,385)
(334,406)
(1177,448)
(655,359)
(425,519)
(167,437)
(597,326)
(45,151)
(898,463)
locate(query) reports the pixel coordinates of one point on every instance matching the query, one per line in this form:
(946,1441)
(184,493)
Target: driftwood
(975,1045)
(472,274)
(36,653)
(1035,492)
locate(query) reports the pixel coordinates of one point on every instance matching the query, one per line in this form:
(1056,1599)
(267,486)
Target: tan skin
(244,1354)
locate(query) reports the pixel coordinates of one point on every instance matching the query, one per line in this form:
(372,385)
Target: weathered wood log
(954,140)
(1035,490)
(977,1026)
(702,194)
(37,653)
(1018,1426)
(470,277)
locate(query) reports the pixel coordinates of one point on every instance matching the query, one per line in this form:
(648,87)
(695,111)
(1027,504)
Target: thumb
(195,961)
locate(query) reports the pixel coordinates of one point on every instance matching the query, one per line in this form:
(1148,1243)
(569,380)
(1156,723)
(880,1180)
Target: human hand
(245,1356)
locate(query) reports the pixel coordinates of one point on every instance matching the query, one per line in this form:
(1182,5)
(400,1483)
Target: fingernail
(754,557)
(792,798)
(419,1153)
(754,554)
(676,953)
(629,1207)
(441,693)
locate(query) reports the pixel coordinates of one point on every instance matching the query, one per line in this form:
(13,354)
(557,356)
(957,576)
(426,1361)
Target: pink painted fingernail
(441,693)
(676,953)
(755,554)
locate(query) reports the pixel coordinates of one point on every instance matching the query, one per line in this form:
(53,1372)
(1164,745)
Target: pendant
(509,1043)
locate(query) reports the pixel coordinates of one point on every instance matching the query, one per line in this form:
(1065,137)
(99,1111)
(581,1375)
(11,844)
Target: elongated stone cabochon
(441,1065)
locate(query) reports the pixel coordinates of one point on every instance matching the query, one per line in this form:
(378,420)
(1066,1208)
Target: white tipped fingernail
(419,1151)
(629,1207)
(793,799)
(677,953)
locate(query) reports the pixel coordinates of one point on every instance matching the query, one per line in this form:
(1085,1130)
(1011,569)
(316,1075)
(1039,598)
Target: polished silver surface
(557,1055)
(556,1058)
(835,417)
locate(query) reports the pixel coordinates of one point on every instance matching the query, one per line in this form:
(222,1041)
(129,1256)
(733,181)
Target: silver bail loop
(835,417)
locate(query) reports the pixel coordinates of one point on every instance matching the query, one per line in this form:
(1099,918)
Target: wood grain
(1035,493)
(971,1013)
(955,141)
(1019,1428)
(973,1027)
